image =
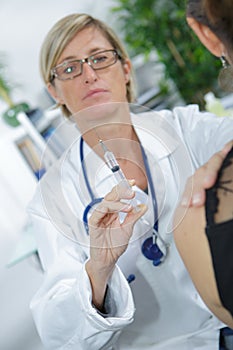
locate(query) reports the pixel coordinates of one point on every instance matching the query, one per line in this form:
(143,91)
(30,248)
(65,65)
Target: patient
(204,237)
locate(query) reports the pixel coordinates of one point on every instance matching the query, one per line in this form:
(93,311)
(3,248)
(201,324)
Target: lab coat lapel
(163,148)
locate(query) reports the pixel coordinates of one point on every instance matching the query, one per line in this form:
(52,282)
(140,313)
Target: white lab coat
(161,308)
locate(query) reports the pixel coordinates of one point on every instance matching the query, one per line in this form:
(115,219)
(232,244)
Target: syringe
(115,168)
(153,251)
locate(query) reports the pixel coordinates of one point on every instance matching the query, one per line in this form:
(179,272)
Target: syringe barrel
(114,166)
(121,179)
(111,160)
(124,185)
(118,174)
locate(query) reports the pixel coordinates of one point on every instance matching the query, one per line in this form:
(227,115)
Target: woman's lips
(94,92)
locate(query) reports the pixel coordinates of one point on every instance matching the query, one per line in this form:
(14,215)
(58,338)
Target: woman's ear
(127,69)
(53,92)
(207,37)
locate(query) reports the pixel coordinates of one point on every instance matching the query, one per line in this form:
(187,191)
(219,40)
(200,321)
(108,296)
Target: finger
(97,216)
(212,168)
(106,208)
(214,164)
(226,149)
(204,178)
(122,191)
(114,207)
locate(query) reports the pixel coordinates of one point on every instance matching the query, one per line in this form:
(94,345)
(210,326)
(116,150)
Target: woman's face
(92,87)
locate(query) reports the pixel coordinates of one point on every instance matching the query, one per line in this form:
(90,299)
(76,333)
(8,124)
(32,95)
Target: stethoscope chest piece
(151,251)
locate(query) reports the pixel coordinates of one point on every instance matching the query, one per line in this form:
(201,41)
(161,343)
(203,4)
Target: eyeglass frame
(82,61)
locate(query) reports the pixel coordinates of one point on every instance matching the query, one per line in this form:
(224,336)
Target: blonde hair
(62,33)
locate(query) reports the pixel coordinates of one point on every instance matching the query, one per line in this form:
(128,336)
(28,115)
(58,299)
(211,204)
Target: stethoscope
(150,248)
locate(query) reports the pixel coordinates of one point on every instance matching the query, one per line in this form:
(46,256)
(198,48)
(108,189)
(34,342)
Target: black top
(219,230)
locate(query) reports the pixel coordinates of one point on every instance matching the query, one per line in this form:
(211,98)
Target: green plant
(161,25)
(10,115)
(5,88)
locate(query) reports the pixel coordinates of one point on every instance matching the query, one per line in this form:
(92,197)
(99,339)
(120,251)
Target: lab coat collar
(157,136)
(156,132)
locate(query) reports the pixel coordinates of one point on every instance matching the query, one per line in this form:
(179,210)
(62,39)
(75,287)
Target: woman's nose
(89,73)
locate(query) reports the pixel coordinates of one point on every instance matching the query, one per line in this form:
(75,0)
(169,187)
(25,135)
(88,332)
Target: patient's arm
(208,272)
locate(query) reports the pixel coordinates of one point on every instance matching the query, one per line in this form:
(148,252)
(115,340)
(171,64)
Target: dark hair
(218,16)
(195,9)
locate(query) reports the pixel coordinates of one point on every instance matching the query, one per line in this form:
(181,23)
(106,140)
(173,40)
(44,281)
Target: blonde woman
(116,282)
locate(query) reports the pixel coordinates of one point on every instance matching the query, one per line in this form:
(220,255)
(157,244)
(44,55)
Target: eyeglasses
(73,68)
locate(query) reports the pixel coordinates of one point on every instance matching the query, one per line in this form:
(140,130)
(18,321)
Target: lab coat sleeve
(203,133)
(62,307)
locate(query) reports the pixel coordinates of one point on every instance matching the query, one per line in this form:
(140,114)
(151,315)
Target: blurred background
(173,69)
(23,25)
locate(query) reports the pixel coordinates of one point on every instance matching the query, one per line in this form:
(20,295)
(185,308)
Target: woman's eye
(99,59)
(70,69)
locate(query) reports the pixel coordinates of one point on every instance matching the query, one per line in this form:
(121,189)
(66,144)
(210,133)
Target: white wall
(23,26)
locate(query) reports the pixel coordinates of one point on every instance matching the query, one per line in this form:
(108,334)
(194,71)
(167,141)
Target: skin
(91,87)
(97,91)
(102,88)
(204,178)
(106,249)
(193,246)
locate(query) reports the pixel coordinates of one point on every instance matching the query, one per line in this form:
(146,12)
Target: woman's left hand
(109,237)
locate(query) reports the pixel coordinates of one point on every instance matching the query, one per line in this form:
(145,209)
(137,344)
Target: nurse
(116,282)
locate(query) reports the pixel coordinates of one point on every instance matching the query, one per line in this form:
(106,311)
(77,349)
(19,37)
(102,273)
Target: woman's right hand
(109,237)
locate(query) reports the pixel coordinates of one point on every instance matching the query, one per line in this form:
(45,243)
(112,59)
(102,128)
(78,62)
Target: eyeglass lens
(71,69)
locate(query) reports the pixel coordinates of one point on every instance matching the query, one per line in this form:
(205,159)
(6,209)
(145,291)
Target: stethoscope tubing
(152,189)
(94,200)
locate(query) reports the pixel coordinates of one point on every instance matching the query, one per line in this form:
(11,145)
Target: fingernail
(139,207)
(132,182)
(184,202)
(196,199)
